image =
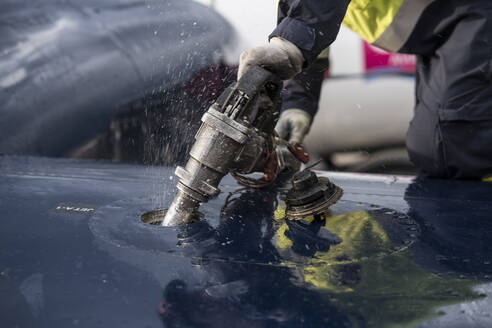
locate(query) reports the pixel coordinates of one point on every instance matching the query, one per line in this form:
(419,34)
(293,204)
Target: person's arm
(305,28)
(311,25)
(308,27)
(303,91)
(300,99)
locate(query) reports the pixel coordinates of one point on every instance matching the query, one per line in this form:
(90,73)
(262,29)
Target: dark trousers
(450,135)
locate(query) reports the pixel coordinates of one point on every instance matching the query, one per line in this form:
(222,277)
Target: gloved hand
(279,56)
(287,161)
(293,125)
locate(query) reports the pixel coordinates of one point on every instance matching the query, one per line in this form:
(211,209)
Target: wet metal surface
(391,252)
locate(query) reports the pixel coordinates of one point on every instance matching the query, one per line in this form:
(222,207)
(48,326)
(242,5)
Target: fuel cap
(310,195)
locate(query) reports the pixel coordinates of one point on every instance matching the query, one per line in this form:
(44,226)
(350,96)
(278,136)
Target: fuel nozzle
(236,135)
(310,195)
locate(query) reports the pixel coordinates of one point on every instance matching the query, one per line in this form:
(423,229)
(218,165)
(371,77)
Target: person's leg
(423,138)
(450,135)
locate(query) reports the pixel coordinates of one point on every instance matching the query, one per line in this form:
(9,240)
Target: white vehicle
(366,101)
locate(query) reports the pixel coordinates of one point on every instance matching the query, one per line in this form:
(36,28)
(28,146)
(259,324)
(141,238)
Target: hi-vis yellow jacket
(312,25)
(384,23)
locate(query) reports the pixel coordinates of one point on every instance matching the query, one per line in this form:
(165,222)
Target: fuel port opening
(155,217)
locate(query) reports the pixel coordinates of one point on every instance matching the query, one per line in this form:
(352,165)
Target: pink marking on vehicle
(377,60)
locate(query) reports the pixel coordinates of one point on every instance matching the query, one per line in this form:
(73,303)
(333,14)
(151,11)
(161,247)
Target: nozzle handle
(257,78)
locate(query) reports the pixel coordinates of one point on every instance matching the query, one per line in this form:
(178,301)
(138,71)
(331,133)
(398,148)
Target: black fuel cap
(304,179)
(310,195)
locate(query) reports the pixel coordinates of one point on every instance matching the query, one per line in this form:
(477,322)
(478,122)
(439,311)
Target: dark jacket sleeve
(312,25)
(303,91)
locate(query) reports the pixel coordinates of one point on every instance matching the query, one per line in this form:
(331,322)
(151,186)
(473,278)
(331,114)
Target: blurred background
(128,80)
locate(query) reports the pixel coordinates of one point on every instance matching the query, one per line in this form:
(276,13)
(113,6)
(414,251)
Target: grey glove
(293,125)
(286,159)
(279,56)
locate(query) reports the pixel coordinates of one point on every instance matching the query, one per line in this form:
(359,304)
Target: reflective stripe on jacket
(384,23)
